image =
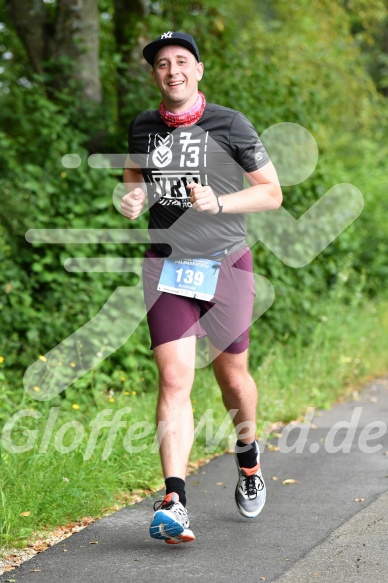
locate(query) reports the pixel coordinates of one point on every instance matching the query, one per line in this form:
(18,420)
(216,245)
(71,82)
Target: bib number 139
(193,278)
(189,276)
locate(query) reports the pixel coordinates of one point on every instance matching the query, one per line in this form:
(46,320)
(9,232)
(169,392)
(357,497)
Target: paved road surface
(312,530)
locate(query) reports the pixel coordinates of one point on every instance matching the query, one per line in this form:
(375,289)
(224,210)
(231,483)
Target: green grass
(348,345)
(345,349)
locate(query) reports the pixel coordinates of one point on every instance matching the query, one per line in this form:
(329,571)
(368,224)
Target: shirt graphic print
(176,158)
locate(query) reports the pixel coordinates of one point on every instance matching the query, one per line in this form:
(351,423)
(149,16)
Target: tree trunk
(28,18)
(67,49)
(77,46)
(127,17)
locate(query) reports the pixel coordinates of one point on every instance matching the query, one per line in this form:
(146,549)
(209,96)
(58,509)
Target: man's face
(176,73)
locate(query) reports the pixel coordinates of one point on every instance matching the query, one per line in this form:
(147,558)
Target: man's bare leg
(238,391)
(174,415)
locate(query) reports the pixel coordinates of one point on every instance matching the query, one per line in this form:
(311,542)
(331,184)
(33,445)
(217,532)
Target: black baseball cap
(170,38)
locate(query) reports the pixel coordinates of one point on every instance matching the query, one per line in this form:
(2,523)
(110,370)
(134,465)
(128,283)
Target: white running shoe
(171,521)
(250,490)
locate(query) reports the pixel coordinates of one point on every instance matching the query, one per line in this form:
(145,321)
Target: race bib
(193,278)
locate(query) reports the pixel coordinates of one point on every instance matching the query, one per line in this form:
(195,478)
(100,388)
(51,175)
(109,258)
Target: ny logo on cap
(166,35)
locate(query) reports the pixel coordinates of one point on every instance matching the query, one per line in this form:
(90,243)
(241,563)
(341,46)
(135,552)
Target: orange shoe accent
(167,498)
(251,471)
(181,538)
(186,538)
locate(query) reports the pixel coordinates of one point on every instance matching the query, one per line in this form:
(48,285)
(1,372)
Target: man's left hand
(203,198)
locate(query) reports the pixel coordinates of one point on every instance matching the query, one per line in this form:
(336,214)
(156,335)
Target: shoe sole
(186,537)
(163,527)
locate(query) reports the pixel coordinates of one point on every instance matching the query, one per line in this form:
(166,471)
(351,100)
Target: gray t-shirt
(216,151)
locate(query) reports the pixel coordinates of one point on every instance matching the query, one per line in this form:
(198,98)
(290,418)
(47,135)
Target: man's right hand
(132,203)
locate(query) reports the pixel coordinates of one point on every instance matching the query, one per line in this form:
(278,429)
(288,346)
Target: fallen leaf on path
(272,447)
(273,478)
(359,499)
(219,483)
(35,570)
(87,520)
(289,481)
(94,542)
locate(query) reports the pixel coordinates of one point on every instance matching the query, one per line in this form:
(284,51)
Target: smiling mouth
(175,83)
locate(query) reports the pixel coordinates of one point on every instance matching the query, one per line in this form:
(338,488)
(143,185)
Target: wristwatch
(220,204)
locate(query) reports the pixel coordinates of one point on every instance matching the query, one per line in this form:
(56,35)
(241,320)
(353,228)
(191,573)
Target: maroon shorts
(225,320)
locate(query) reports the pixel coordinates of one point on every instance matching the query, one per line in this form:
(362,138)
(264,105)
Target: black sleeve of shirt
(248,148)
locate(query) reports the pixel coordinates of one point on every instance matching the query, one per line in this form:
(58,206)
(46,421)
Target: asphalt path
(329,525)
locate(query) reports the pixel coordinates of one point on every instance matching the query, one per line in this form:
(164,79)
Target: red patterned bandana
(187,118)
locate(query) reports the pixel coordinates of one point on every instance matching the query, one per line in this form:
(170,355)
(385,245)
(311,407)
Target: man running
(190,158)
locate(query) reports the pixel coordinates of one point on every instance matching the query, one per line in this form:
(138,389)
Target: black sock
(248,457)
(177,485)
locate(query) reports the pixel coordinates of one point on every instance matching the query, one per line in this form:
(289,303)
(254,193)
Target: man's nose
(173,69)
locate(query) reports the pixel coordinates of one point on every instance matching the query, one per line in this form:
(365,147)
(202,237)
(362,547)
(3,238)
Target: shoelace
(250,487)
(164,504)
(179,509)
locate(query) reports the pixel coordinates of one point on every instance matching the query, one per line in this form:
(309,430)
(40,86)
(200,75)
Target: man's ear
(200,68)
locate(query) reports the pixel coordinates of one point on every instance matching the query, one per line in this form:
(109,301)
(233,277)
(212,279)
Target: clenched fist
(203,198)
(132,203)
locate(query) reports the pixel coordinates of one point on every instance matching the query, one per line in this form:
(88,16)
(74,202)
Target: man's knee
(231,371)
(234,382)
(173,381)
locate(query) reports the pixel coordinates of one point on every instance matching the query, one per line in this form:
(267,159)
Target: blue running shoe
(171,521)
